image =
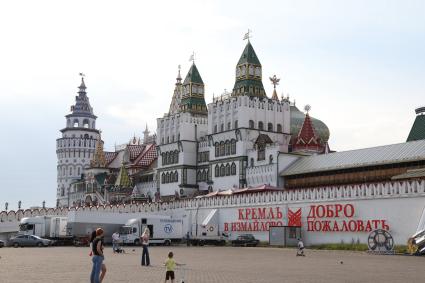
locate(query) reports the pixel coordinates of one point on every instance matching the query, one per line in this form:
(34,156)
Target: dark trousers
(145,256)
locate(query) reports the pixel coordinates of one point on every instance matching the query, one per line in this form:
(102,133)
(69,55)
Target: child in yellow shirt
(170,265)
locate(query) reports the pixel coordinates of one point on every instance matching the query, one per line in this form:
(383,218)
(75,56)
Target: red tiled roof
(135,151)
(110,156)
(307,138)
(148,156)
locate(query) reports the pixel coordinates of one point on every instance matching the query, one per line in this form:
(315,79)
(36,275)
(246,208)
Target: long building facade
(242,139)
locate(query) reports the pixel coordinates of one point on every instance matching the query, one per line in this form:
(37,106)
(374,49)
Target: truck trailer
(82,223)
(163,230)
(205,229)
(48,227)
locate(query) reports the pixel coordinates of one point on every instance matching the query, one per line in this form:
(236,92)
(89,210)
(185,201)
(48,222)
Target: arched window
(177,176)
(270,127)
(233,169)
(222,150)
(222,170)
(167,177)
(271,159)
(215,129)
(79,170)
(227,169)
(236,124)
(251,124)
(252,162)
(70,171)
(279,128)
(229,125)
(163,158)
(217,149)
(217,171)
(198,176)
(163,178)
(222,127)
(166,158)
(261,152)
(233,142)
(176,156)
(168,139)
(227,147)
(76,123)
(260,126)
(86,123)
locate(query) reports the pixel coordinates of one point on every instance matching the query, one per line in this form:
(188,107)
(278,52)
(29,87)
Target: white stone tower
(77,145)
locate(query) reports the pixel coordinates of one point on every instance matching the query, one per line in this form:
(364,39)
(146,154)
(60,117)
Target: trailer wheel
(39,244)
(16,245)
(137,242)
(167,243)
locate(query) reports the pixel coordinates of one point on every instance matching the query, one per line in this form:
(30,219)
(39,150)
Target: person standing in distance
(300,251)
(115,240)
(145,243)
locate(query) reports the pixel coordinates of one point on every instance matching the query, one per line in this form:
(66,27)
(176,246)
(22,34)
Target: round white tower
(77,145)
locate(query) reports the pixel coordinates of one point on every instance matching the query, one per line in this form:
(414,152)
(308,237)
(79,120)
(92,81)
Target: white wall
(399,204)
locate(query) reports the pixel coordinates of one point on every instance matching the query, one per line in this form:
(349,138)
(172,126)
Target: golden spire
(98,160)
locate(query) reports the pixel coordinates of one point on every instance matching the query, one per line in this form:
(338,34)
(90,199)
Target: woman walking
(98,257)
(103,271)
(145,244)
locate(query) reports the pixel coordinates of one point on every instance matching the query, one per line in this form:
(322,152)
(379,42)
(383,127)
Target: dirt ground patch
(209,264)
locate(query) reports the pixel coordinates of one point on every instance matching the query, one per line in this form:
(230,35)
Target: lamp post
(19,205)
(6,205)
(44,204)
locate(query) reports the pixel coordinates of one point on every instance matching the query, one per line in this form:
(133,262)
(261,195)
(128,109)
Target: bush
(341,246)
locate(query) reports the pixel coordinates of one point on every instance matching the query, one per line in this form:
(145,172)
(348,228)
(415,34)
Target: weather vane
(247,35)
(192,57)
(82,75)
(307,108)
(275,81)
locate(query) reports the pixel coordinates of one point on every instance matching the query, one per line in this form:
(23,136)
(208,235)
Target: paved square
(209,264)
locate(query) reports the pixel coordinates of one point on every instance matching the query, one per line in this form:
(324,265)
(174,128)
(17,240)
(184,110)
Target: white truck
(205,229)
(48,227)
(163,230)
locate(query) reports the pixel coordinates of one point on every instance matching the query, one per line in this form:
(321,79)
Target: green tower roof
(123,180)
(193,76)
(249,56)
(418,129)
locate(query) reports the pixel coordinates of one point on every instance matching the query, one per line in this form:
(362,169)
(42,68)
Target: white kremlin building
(241,139)
(234,159)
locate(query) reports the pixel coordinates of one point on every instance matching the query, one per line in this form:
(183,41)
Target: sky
(359,64)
